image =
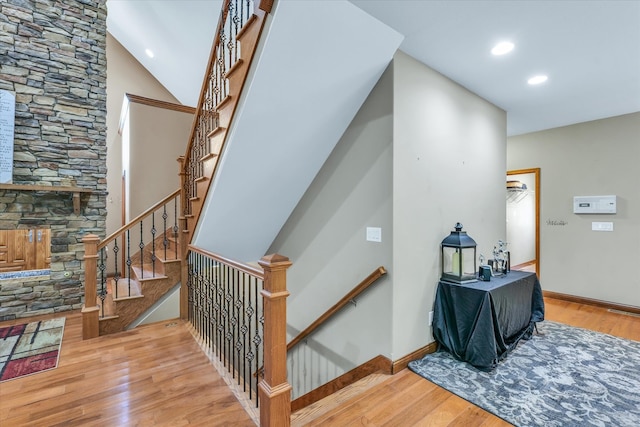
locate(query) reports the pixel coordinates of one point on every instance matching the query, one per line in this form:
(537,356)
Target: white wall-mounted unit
(594,204)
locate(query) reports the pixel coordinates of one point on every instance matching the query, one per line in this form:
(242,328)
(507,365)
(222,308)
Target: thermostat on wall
(594,204)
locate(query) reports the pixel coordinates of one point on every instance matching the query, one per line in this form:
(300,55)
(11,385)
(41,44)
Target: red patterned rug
(30,348)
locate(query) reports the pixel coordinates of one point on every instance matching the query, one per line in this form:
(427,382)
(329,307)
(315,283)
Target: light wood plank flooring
(154,375)
(406,399)
(157,376)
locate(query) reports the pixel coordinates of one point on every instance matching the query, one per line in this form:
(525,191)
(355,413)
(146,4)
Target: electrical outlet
(430,318)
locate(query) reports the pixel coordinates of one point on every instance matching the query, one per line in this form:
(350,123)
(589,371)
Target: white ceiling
(589,49)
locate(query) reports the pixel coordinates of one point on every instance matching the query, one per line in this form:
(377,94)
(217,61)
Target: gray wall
(449,165)
(157,137)
(421,154)
(325,239)
(587,159)
(126,75)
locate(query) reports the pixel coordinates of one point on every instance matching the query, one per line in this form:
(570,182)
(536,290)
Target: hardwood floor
(406,399)
(154,375)
(157,375)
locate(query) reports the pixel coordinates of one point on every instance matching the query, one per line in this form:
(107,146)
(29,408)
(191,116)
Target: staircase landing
(153,375)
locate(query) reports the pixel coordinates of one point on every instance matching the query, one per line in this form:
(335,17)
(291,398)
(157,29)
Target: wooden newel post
(274,391)
(90,309)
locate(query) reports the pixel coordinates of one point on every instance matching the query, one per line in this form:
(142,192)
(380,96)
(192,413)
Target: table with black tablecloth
(481,322)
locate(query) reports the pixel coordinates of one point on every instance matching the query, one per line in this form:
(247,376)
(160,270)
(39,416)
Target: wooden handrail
(245,268)
(368,281)
(137,219)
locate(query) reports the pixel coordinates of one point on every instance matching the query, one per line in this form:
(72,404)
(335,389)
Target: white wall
(594,158)
(449,165)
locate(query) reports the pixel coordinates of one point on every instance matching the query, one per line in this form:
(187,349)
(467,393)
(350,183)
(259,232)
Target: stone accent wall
(53,58)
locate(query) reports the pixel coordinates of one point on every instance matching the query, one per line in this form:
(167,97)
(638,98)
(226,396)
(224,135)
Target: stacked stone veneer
(53,58)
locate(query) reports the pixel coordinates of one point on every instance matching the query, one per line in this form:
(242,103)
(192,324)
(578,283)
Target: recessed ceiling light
(502,48)
(536,80)
(149,53)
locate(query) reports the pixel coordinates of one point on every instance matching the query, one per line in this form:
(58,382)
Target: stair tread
(329,403)
(147,272)
(126,288)
(130,297)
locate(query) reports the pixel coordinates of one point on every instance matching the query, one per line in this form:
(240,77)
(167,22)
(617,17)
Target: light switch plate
(601,226)
(374,234)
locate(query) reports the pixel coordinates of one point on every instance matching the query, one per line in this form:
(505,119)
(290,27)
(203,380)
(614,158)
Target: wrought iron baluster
(257,339)
(103,288)
(231,37)
(213,312)
(244,330)
(153,244)
(190,312)
(237,312)
(196,275)
(218,310)
(203,295)
(228,314)
(210,321)
(194,272)
(200,293)
(116,274)
(193,287)
(175,226)
(223,317)
(234,321)
(141,246)
(248,11)
(225,309)
(129,261)
(165,240)
(250,355)
(203,282)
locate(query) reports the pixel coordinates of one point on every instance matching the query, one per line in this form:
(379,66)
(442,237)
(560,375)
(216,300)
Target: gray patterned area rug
(563,376)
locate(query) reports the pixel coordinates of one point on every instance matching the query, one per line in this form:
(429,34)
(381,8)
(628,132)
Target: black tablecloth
(481,322)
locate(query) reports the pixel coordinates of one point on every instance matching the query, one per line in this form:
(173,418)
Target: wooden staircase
(131,269)
(224,80)
(128,298)
(238,32)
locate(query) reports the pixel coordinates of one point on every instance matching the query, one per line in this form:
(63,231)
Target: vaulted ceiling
(590,50)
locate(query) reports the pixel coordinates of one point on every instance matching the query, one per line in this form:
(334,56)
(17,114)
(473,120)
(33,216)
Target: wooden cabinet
(25,249)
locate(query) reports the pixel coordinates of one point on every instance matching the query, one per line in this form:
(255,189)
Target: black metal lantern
(458,257)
